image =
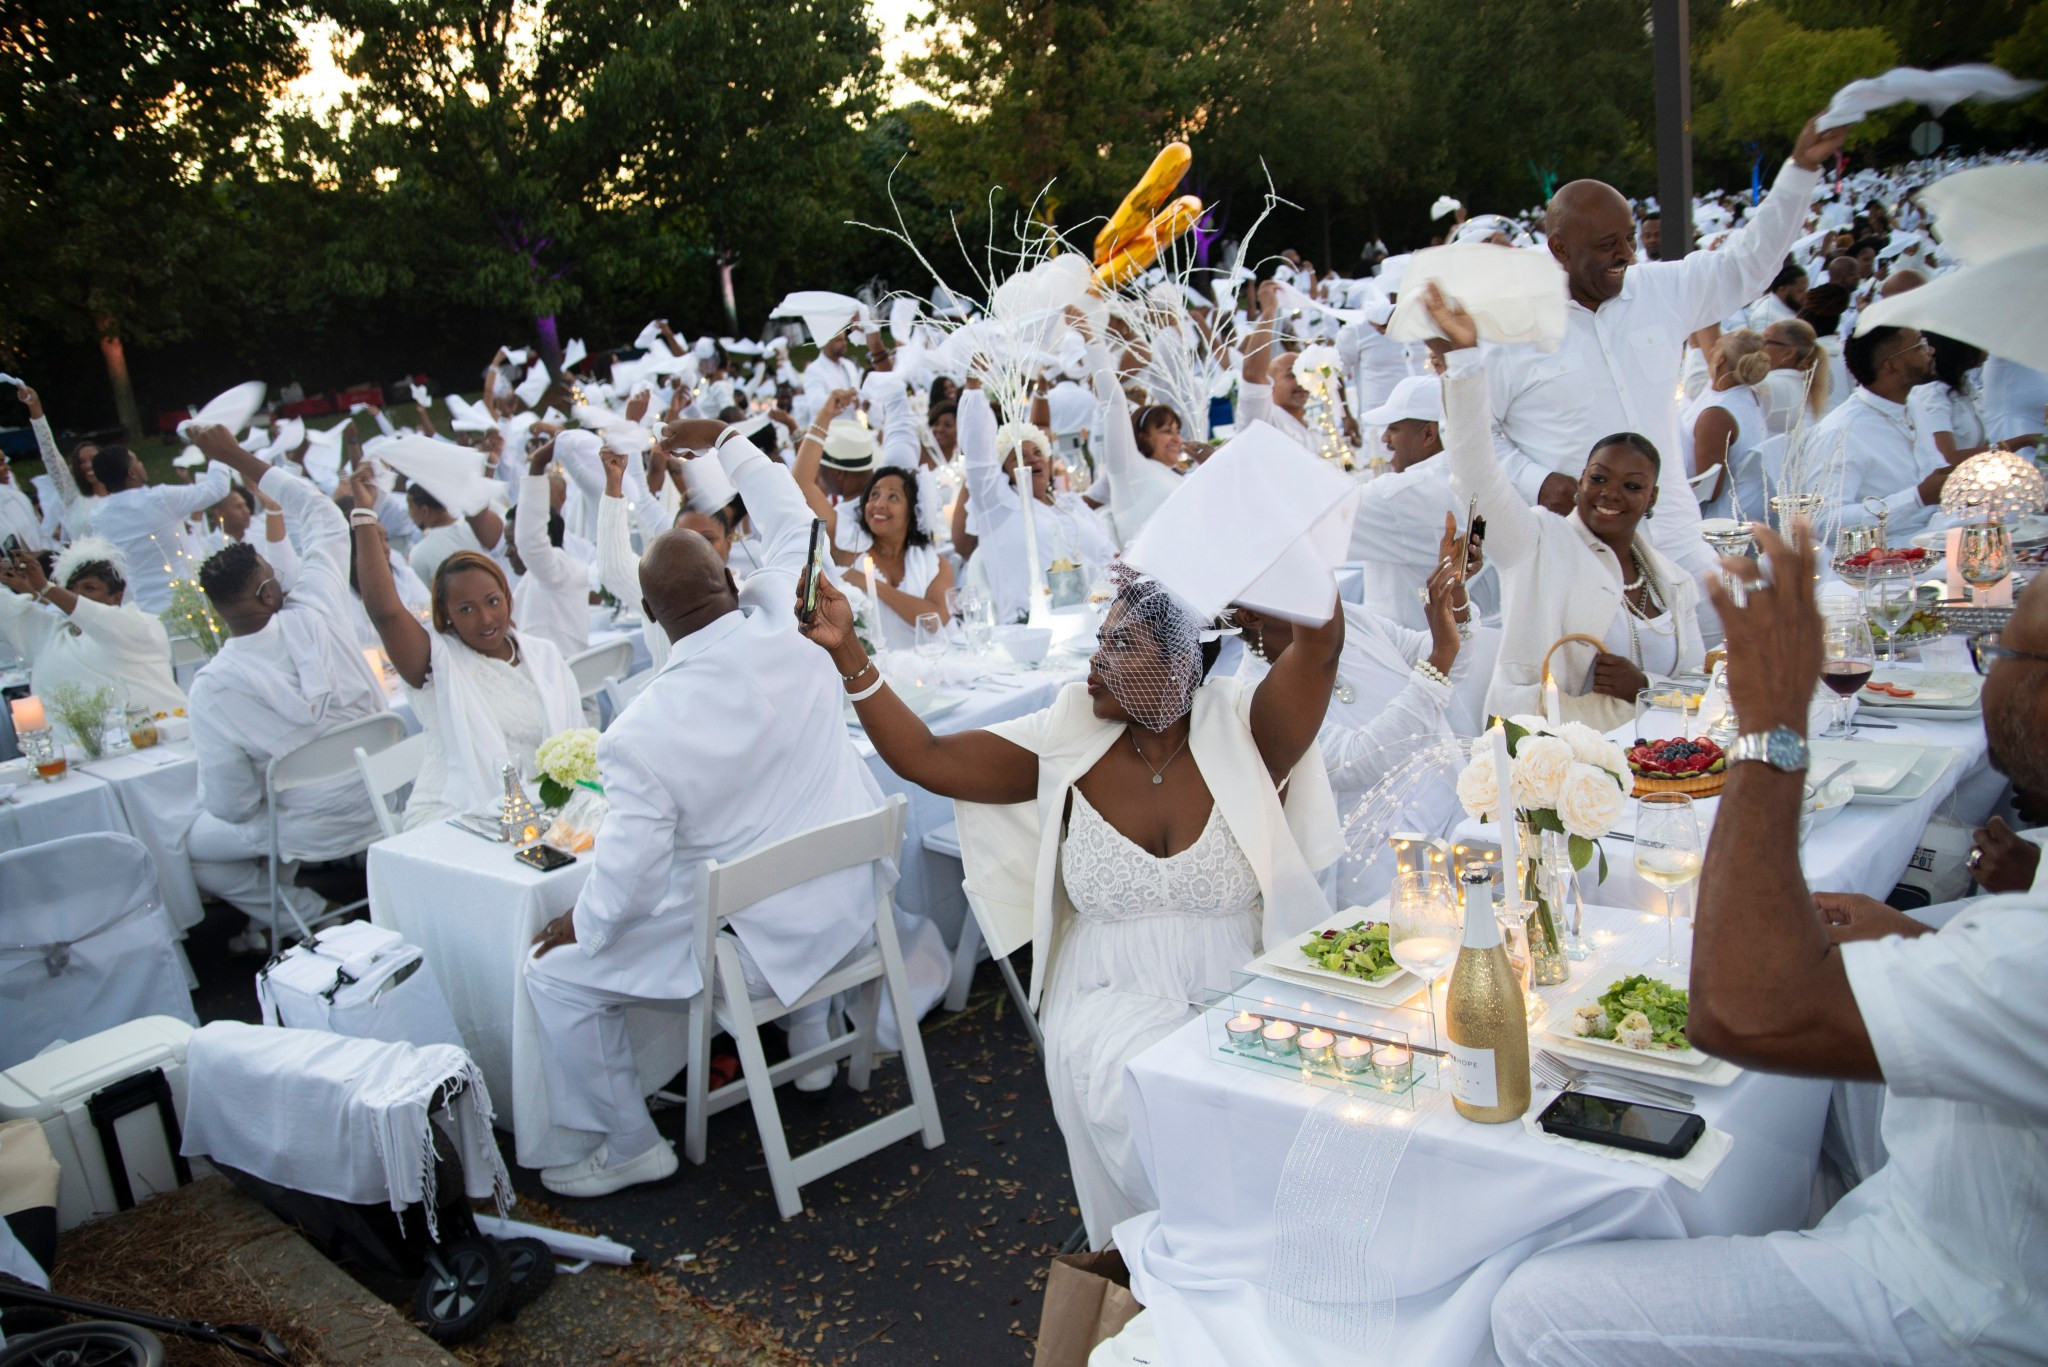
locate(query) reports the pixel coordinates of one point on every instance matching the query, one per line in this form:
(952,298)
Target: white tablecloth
(75,804)
(474,911)
(1468,1202)
(930,883)
(158,791)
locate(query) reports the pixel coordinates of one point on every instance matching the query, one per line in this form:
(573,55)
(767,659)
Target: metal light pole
(1671,48)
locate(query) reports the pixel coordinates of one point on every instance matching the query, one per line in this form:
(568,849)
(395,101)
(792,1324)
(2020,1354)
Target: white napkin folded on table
(1514,294)
(1694,1170)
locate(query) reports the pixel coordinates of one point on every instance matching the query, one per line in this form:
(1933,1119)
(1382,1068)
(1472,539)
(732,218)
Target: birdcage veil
(1150,657)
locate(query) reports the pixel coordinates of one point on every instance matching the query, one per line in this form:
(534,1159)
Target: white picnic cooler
(358,980)
(127,1084)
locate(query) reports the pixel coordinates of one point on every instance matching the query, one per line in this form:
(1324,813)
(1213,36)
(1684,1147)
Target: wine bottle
(1488,1032)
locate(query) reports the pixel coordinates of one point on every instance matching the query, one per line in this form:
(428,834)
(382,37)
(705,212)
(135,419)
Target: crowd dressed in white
(1189,816)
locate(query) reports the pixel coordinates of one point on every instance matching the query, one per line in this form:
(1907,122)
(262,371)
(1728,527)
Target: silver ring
(1976,858)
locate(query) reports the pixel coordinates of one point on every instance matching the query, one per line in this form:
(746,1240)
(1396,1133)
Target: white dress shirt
(765,756)
(1618,370)
(1400,525)
(553,597)
(821,377)
(1373,363)
(1938,406)
(1953,1223)
(2015,399)
(147,522)
(1255,404)
(297,679)
(1870,450)
(1067,528)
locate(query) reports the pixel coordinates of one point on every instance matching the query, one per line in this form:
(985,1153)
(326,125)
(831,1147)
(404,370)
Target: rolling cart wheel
(463,1290)
(532,1265)
(95,1343)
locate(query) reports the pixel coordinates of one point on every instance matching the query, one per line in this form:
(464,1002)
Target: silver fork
(1556,1072)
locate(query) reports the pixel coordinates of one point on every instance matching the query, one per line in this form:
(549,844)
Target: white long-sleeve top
(95,645)
(759,699)
(298,678)
(552,600)
(1400,524)
(821,377)
(1137,485)
(1557,578)
(1618,370)
(1868,448)
(74,509)
(1067,527)
(147,521)
(18,516)
(1373,363)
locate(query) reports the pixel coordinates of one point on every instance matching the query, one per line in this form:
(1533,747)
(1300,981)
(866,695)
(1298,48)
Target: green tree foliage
(124,122)
(1769,75)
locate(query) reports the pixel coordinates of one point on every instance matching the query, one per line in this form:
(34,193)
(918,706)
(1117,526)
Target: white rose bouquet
(1316,370)
(1570,780)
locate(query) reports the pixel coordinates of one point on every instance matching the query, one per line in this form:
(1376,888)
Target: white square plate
(1286,961)
(1932,690)
(1879,764)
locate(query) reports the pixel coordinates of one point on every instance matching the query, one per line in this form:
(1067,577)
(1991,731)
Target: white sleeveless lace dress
(1147,935)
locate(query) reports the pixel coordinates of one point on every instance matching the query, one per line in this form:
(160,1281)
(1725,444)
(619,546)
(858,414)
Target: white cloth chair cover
(84,943)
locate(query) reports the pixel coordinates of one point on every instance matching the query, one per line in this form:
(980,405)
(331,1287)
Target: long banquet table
(1468,1203)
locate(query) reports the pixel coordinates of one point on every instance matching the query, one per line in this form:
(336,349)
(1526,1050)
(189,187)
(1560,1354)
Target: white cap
(1420,397)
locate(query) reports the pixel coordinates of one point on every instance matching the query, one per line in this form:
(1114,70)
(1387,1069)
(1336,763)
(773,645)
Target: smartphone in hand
(807,584)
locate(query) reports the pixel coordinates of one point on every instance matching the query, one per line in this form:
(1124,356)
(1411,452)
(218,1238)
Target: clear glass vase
(1550,889)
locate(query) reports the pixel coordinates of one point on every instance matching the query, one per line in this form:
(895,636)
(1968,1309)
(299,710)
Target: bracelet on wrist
(1432,673)
(864,694)
(361,517)
(865,666)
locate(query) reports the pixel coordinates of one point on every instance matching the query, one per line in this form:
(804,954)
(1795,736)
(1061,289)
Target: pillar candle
(1034,567)
(28,714)
(1504,812)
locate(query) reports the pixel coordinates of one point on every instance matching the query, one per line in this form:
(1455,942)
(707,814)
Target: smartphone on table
(1622,1124)
(807,583)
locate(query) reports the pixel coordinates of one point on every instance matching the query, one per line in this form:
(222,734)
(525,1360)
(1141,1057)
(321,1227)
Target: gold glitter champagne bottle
(1489,1035)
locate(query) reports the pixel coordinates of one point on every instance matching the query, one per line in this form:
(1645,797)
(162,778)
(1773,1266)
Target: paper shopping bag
(1087,1299)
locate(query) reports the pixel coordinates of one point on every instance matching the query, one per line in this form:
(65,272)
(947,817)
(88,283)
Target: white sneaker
(592,1178)
(803,1038)
(249,941)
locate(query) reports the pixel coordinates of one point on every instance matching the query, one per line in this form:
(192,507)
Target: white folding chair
(945,841)
(84,943)
(616,693)
(187,656)
(722,890)
(389,772)
(321,760)
(612,660)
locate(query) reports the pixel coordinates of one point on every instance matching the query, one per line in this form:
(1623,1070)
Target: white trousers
(587,1054)
(1711,1302)
(229,862)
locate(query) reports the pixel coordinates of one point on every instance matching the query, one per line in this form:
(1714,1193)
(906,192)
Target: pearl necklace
(1646,582)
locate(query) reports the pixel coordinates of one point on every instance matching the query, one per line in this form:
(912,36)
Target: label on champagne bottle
(1475,1080)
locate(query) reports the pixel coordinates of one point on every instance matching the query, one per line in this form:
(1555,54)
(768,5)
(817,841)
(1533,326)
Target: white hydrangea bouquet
(570,788)
(1569,784)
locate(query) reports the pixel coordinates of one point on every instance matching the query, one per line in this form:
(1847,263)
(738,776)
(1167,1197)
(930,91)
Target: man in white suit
(739,742)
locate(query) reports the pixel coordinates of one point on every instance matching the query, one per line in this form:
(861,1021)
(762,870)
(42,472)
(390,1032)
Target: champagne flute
(1847,661)
(1668,855)
(1424,930)
(1985,556)
(980,615)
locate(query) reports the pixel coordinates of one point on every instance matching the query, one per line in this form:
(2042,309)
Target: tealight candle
(1353,1055)
(1314,1045)
(1243,1029)
(1280,1039)
(1392,1063)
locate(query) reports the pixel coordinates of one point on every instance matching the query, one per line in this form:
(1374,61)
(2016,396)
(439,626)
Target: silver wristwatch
(1780,747)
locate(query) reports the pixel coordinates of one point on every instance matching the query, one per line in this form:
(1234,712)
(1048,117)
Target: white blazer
(1557,578)
(1011,853)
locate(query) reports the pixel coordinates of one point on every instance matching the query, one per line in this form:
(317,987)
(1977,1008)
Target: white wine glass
(1848,659)
(1668,855)
(1985,555)
(929,639)
(1424,930)
(1888,598)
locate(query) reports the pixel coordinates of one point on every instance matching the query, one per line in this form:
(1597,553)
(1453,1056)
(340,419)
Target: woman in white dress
(1589,574)
(1134,834)
(910,576)
(88,635)
(1948,410)
(1797,389)
(486,695)
(1723,425)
